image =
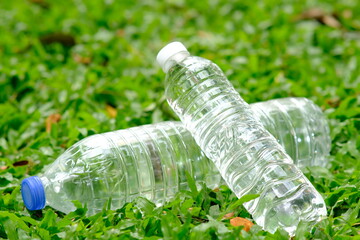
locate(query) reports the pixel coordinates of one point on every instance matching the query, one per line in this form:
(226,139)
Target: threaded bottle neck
(177,58)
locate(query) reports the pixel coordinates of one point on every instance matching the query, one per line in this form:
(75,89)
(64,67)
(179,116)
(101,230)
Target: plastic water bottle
(247,156)
(151,160)
(148,161)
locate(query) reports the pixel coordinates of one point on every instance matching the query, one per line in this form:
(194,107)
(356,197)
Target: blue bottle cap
(33,193)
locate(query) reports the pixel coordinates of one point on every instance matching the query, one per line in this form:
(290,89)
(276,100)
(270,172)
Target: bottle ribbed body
(299,126)
(247,156)
(149,161)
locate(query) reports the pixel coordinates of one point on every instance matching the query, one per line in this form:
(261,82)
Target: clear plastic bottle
(86,170)
(148,161)
(247,156)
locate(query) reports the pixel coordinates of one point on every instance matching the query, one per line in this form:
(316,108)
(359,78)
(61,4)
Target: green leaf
(15,219)
(191,183)
(29,220)
(214,211)
(352,214)
(10,229)
(145,205)
(205,230)
(44,234)
(49,220)
(241,201)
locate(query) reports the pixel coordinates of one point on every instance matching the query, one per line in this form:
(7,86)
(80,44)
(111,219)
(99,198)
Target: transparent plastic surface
(299,126)
(248,157)
(106,165)
(148,161)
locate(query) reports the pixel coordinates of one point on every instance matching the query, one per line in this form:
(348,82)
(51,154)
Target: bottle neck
(45,181)
(173,60)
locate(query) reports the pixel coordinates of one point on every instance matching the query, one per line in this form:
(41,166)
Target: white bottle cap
(168,51)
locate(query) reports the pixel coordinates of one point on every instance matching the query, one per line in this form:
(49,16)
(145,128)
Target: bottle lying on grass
(151,160)
(248,157)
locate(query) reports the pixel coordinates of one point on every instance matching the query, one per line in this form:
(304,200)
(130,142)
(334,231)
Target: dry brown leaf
(334,102)
(313,13)
(321,16)
(81,59)
(203,34)
(238,221)
(120,33)
(53,118)
(228,215)
(347,14)
(216,189)
(331,21)
(111,111)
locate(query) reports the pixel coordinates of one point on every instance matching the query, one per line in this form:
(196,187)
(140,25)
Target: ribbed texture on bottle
(155,159)
(150,161)
(299,126)
(248,157)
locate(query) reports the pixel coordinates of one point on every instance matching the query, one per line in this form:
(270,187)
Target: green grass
(106,61)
